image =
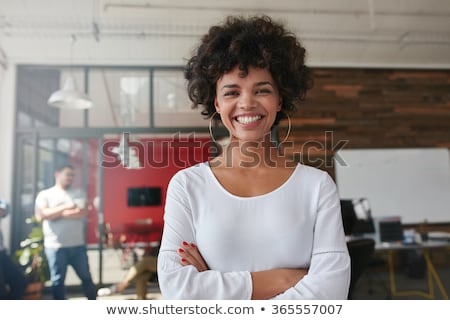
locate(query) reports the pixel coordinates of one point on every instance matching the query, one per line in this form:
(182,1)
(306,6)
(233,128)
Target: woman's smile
(248,122)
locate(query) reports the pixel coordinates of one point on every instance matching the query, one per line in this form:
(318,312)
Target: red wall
(161,159)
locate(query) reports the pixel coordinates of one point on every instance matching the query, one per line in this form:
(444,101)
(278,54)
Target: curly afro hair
(256,41)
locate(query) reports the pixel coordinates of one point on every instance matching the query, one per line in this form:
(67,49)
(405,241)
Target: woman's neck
(249,154)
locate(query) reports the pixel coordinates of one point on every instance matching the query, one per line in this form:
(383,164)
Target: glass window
(26,174)
(45,166)
(121,98)
(171,103)
(24,120)
(34,86)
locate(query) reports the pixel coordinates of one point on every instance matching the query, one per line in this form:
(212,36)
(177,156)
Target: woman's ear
(216,105)
(280,105)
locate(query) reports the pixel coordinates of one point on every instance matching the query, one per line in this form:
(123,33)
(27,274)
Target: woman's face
(248,104)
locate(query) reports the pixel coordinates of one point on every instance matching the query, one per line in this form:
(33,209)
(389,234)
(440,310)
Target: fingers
(70,205)
(190,255)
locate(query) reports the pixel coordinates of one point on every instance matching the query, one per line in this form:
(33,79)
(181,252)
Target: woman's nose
(246,101)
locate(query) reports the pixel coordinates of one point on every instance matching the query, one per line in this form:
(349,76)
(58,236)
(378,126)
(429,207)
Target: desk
(142,234)
(432,275)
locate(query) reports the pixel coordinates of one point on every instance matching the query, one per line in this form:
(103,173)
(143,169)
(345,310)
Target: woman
(251,223)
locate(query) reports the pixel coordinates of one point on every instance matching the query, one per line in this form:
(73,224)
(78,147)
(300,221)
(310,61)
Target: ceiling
(401,33)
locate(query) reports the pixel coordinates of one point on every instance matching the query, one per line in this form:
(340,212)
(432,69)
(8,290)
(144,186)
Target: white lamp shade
(69,97)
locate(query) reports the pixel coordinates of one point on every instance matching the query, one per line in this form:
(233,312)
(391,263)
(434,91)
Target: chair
(357,217)
(361,251)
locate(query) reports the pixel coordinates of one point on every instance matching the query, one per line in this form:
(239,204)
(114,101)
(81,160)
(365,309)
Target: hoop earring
(288,131)
(210,127)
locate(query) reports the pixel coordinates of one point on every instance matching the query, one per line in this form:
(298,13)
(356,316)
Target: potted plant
(31,257)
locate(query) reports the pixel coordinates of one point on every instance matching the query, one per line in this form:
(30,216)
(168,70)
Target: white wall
(411,183)
(7,104)
(131,51)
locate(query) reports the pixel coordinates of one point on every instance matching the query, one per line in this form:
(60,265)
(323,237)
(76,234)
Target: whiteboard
(411,183)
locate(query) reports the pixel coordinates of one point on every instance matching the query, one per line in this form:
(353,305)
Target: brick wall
(370,108)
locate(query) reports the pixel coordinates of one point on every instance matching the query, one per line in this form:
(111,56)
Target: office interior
(382,81)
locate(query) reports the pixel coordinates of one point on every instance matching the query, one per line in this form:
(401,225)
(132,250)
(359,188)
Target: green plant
(31,255)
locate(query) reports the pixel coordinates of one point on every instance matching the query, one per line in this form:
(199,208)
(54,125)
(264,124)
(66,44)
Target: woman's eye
(230,93)
(263,91)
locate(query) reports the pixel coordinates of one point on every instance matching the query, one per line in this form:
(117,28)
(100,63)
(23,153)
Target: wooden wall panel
(369,108)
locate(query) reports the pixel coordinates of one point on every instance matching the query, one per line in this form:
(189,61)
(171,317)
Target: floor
(411,275)
(376,286)
(371,286)
(115,266)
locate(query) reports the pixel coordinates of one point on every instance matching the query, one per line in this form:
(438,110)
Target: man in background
(12,280)
(62,211)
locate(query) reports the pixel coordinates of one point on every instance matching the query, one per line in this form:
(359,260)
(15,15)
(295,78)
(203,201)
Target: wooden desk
(141,233)
(432,276)
(138,235)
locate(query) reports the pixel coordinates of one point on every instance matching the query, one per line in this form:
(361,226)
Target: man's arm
(75,213)
(57,212)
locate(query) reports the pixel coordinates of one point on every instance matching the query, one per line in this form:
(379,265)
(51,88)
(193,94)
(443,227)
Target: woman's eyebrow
(228,86)
(263,83)
(257,84)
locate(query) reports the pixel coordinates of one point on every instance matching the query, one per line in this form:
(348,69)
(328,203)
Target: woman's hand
(190,256)
(269,283)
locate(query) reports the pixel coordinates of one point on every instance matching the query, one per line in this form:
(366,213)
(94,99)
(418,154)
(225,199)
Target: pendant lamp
(69,97)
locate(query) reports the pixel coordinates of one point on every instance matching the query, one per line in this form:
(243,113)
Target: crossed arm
(69,211)
(266,284)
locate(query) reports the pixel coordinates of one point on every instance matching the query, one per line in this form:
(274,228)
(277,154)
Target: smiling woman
(247,103)
(251,223)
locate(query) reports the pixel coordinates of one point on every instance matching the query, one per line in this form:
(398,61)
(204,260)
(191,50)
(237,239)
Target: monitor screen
(356,216)
(144,196)
(391,229)
(364,221)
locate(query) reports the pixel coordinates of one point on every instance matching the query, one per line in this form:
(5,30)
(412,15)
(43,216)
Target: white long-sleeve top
(297,225)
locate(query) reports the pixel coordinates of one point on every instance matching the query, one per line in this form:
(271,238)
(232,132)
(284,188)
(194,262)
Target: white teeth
(247,119)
